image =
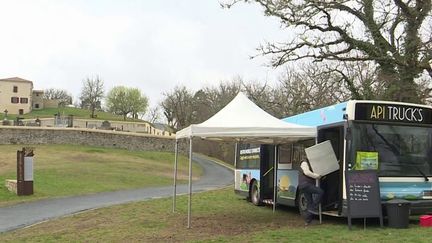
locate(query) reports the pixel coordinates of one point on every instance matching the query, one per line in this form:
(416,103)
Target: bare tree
(61,95)
(153,114)
(311,87)
(92,93)
(209,100)
(426,87)
(394,34)
(203,101)
(360,78)
(183,107)
(264,96)
(178,107)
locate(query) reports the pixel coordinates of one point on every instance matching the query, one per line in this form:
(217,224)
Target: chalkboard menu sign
(363,195)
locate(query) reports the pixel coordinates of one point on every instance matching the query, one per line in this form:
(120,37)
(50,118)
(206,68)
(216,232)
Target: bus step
(331,213)
(268,201)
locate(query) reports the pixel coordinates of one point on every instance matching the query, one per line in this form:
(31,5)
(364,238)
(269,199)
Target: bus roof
(335,113)
(318,117)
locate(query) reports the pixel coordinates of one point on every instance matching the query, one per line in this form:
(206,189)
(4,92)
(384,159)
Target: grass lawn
(76,112)
(63,170)
(218,216)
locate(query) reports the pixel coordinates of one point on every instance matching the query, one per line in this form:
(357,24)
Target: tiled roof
(16,79)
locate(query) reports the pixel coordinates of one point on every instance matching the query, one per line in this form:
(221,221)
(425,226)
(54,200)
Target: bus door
(332,183)
(267,172)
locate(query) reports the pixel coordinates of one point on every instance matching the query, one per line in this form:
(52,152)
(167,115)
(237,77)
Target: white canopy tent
(240,120)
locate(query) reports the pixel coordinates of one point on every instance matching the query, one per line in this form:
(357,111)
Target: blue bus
(393,138)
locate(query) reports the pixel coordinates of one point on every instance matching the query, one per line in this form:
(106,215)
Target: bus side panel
(287,186)
(243,179)
(404,190)
(419,194)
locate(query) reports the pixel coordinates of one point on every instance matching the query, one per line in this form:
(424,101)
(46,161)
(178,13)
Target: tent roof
(242,120)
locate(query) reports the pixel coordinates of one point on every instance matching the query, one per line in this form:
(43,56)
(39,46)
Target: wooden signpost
(363,195)
(25,171)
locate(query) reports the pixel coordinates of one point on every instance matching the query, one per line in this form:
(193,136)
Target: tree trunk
(92,112)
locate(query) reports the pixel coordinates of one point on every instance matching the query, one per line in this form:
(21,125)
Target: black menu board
(363,194)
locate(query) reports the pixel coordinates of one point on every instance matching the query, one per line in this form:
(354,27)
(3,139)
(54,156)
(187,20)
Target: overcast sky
(153,45)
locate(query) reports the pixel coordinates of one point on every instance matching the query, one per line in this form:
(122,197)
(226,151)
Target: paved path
(21,215)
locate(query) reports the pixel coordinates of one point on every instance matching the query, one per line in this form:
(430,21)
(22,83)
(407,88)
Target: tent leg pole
(175,175)
(190,183)
(317,183)
(235,155)
(275,178)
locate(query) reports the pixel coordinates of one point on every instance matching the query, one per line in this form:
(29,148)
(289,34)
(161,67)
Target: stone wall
(11,185)
(93,137)
(139,127)
(50,103)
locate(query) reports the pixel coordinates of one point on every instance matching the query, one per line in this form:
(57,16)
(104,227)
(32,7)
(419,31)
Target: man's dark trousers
(312,205)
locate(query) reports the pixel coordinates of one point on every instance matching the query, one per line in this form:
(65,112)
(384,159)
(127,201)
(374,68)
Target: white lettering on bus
(394,111)
(410,117)
(421,114)
(403,113)
(250,151)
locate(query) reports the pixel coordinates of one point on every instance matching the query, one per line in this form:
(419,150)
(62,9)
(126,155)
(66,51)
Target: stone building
(38,101)
(16,95)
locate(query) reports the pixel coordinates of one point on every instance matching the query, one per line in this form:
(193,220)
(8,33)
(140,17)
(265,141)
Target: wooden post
(25,172)
(20,173)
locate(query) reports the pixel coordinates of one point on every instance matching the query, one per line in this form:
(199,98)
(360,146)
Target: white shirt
(305,167)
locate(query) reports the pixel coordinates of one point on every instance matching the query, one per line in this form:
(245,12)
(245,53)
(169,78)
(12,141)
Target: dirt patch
(228,224)
(216,225)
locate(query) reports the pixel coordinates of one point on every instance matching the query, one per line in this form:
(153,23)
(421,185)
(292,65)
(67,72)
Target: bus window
(249,157)
(299,152)
(401,150)
(285,152)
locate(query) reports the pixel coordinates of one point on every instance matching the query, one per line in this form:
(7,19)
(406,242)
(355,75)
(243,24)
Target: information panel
(363,195)
(28,168)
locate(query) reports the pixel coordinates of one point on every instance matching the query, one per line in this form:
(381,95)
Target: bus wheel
(302,203)
(255,194)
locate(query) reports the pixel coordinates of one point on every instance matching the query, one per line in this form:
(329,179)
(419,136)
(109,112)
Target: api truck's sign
(393,113)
